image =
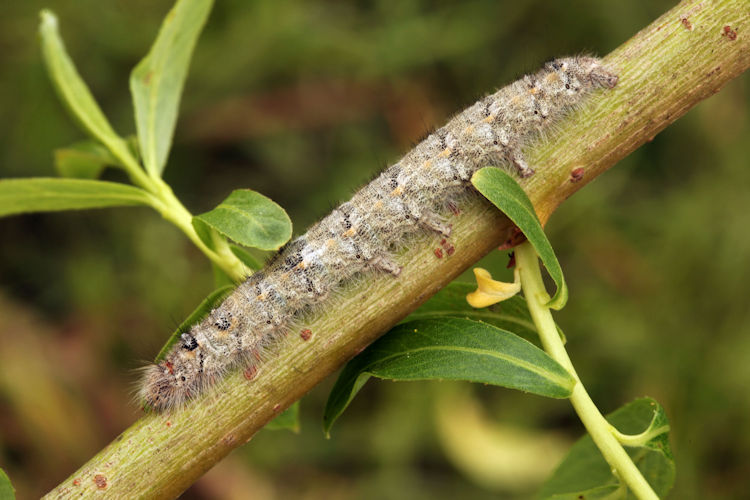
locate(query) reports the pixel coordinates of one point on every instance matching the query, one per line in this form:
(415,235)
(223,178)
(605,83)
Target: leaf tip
(47,19)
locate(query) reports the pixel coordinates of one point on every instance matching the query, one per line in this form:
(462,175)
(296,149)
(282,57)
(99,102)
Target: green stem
(601,431)
(170,207)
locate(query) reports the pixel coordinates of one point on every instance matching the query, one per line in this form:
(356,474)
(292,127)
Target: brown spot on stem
(305,334)
(728,32)
(250,373)
(100,481)
(576,174)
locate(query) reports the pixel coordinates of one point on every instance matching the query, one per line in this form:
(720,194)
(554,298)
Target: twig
(683,57)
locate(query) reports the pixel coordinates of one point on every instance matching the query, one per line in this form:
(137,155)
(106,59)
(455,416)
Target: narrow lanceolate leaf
(585,474)
(251,219)
(505,193)
(157,81)
(450,302)
(200,312)
(453,349)
(83,160)
(41,194)
(287,420)
(7,492)
(69,84)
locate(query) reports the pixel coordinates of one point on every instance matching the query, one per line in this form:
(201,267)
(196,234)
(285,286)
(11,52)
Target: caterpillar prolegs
(410,197)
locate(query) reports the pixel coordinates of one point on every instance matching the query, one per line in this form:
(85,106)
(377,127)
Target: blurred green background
(304,101)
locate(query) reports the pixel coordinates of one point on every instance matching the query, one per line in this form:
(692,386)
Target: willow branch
(680,59)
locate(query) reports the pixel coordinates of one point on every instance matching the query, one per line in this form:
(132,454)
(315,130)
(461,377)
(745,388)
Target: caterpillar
(361,236)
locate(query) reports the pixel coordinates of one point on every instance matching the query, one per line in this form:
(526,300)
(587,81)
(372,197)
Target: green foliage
(83,160)
(452,349)
(39,194)
(505,193)
(7,492)
(584,473)
(450,302)
(251,219)
(74,93)
(287,420)
(156,82)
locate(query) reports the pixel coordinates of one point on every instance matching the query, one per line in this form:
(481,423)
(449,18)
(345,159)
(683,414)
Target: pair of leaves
(156,84)
(585,474)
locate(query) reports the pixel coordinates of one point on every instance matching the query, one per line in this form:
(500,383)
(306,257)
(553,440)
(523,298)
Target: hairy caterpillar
(360,235)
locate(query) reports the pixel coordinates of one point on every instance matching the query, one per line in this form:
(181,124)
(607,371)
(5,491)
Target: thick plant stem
(600,430)
(664,70)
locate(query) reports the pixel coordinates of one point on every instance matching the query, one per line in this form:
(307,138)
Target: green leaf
(585,474)
(453,349)
(83,160)
(505,193)
(246,258)
(156,82)
(7,492)
(251,219)
(511,314)
(41,194)
(204,308)
(71,87)
(286,420)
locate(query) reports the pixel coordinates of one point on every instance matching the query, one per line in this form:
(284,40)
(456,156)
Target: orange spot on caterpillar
(305,334)
(445,153)
(100,481)
(250,373)
(438,253)
(170,367)
(398,191)
(351,232)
